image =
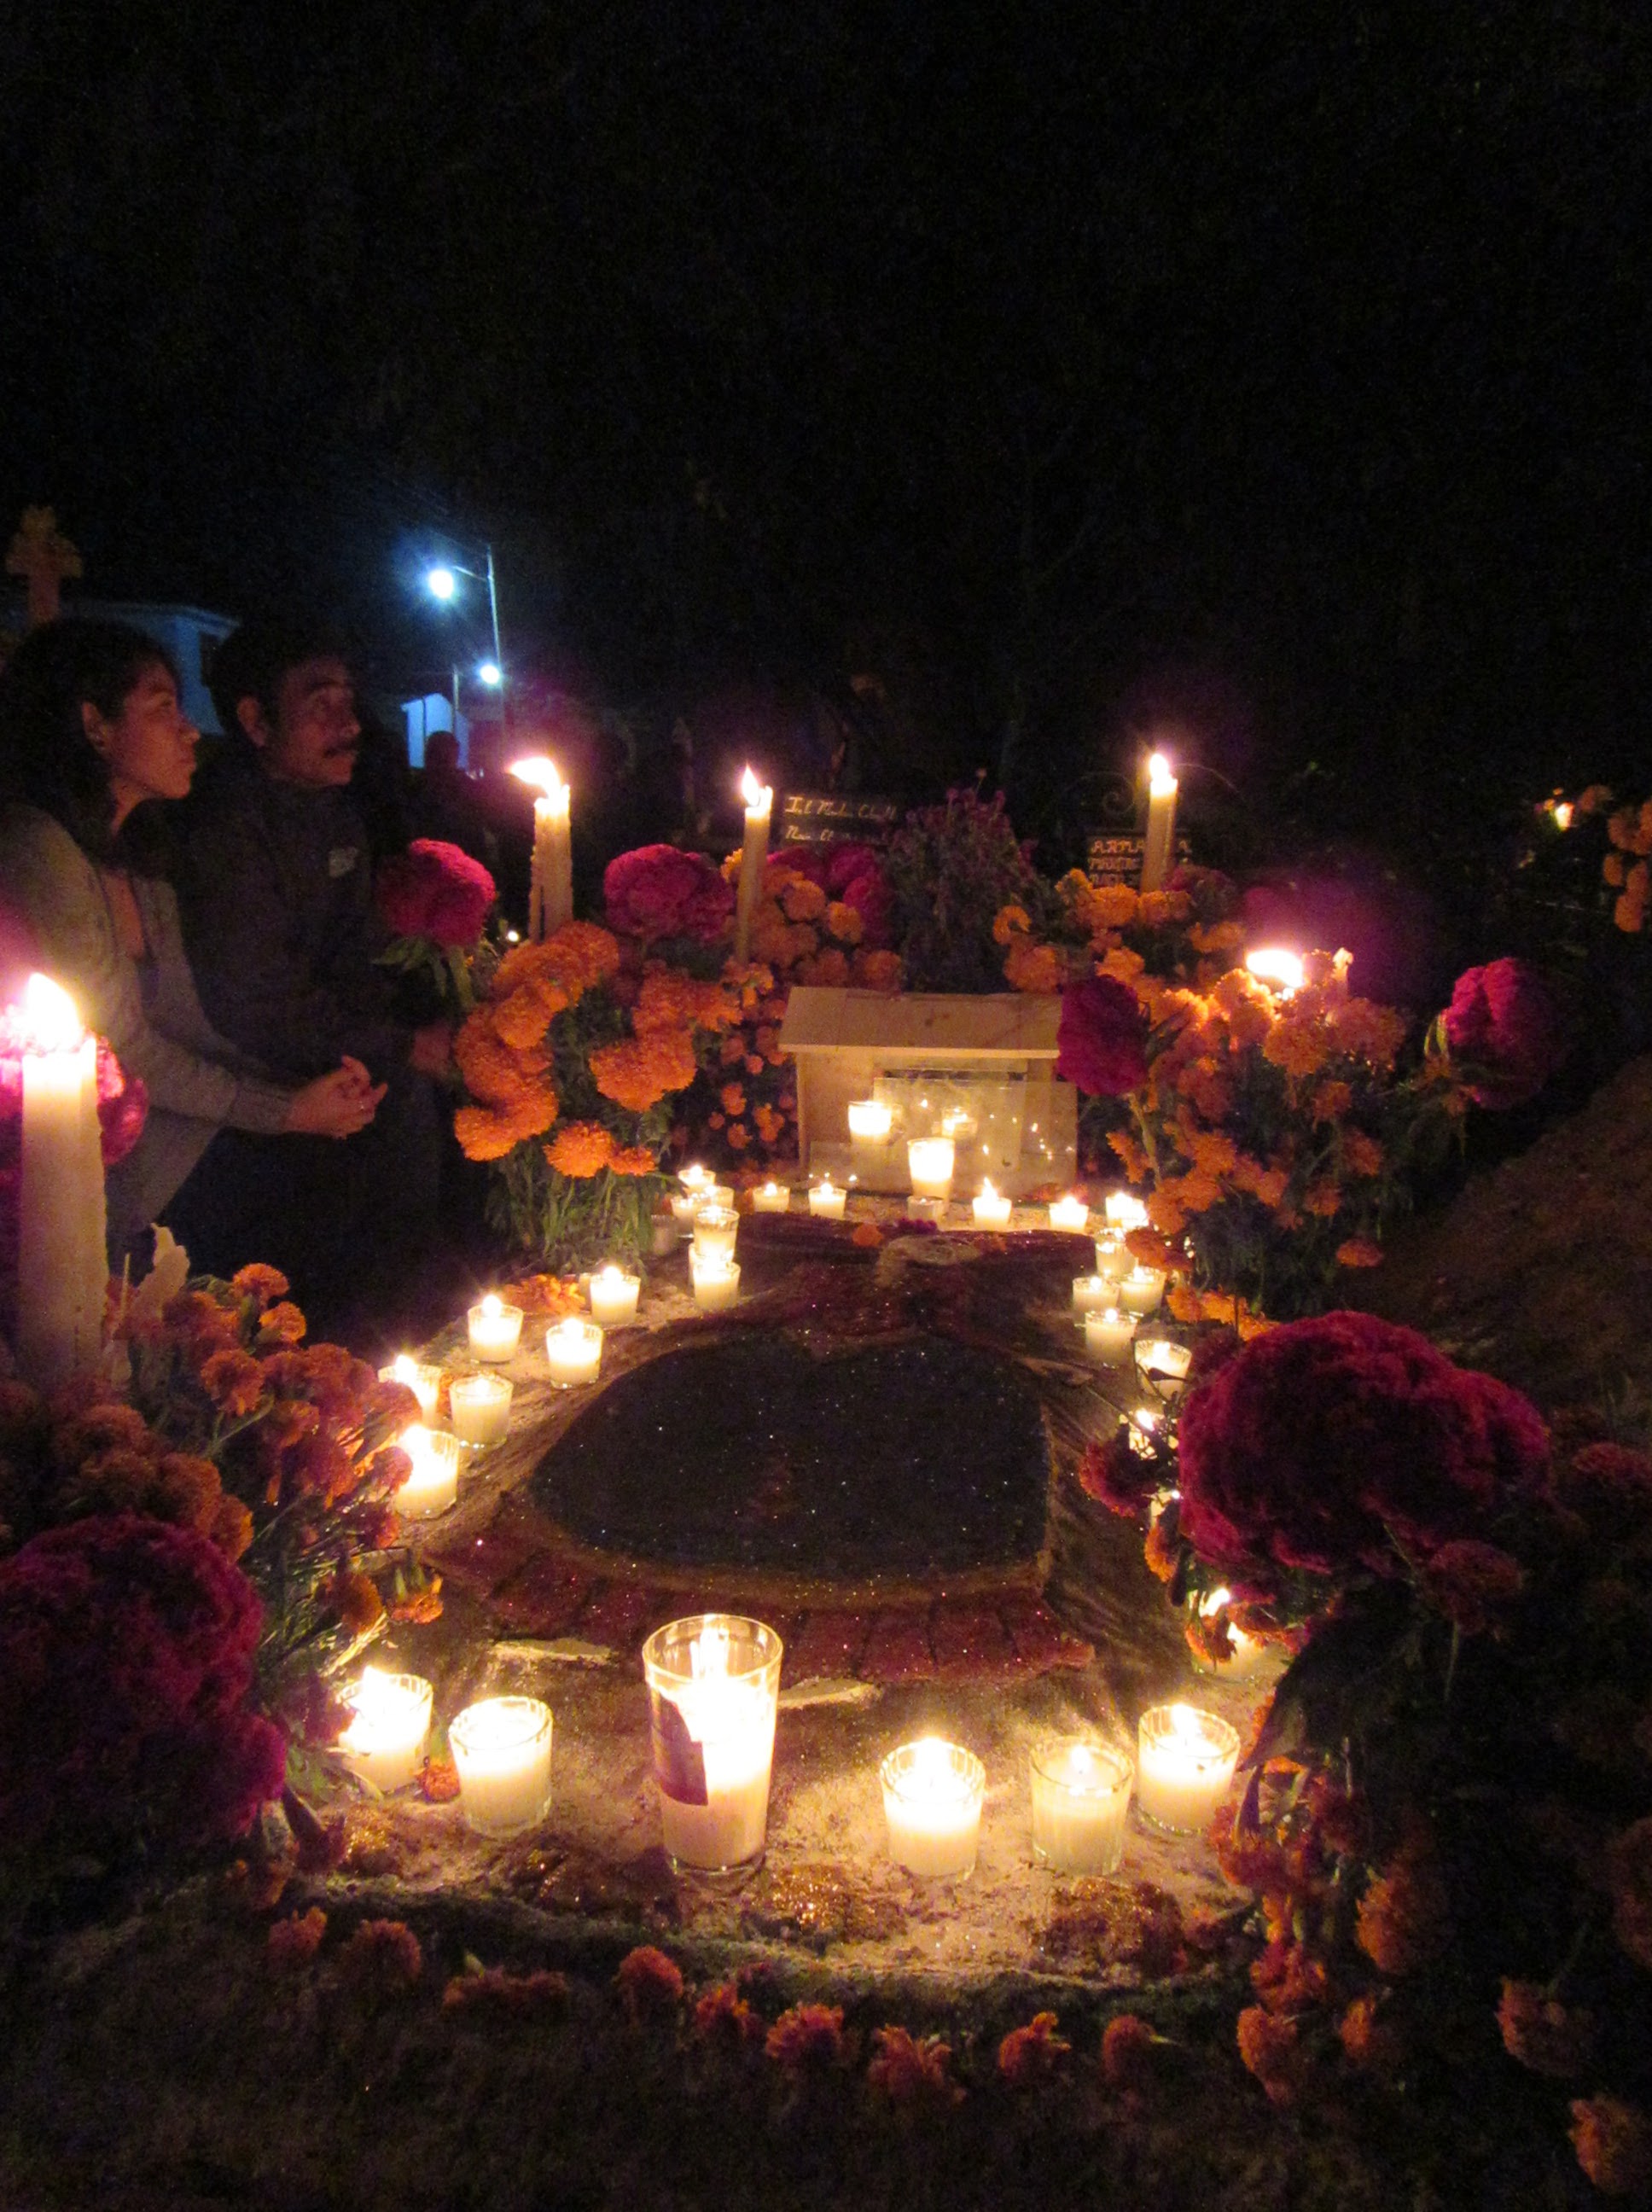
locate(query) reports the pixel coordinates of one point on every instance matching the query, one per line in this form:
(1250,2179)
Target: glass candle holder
(1070,1213)
(1124,1212)
(495,1328)
(826,1200)
(1109,1334)
(870,1120)
(1184,1762)
(929,1165)
(713,1689)
(772,1198)
(501,1748)
(1113,1260)
(1161,1364)
(685,1203)
(431,1484)
(991,1208)
(573,1349)
(480,1405)
(663,1235)
(933,1795)
(389,1726)
(716,1229)
(424,1380)
(1090,1294)
(614,1296)
(695,1180)
(1249,1654)
(1141,1290)
(716,1281)
(1080,1796)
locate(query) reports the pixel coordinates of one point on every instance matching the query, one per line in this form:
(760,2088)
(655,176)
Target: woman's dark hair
(46,759)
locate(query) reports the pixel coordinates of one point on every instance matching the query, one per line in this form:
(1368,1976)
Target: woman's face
(149,744)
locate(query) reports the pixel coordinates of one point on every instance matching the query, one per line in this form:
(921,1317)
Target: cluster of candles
(712,1684)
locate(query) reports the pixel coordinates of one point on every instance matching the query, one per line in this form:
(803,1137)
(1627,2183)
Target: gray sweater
(149,1014)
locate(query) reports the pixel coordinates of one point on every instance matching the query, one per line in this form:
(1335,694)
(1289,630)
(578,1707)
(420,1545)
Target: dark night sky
(1023,354)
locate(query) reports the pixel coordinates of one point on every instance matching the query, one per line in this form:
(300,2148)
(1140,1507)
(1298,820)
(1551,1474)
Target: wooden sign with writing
(837,817)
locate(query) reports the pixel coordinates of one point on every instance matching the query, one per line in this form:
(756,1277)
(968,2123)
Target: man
(275,887)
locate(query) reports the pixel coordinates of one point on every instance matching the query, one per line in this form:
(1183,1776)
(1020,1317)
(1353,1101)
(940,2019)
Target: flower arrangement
(435,901)
(658,892)
(951,870)
(570,1063)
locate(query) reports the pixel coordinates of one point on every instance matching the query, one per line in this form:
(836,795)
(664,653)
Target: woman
(91,735)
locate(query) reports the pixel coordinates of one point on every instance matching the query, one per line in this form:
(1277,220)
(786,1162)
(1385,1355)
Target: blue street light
(491,674)
(441,584)
(441,581)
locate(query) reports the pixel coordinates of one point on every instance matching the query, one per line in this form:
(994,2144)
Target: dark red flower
(122,1107)
(1102,1040)
(1473,1584)
(649,1982)
(435,890)
(1118,1478)
(658,891)
(1504,1032)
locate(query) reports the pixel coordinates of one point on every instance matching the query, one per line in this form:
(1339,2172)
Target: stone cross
(41,552)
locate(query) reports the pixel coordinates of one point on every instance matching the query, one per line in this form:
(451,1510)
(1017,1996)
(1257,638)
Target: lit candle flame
(1280,970)
(1161,777)
(405,1369)
(492,1305)
(541,775)
(51,1016)
(758,797)
(708,1653)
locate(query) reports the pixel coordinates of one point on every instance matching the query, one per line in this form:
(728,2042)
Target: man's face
(314,739)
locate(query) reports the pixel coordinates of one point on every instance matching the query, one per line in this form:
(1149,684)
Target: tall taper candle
(759,805)
(63,1268)
(1158,857)
(551,881)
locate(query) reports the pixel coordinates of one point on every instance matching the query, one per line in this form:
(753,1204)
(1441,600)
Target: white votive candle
(772,1198)
(384,1741)
(1124,1212)
(1250,1653)
(480,1405)
(573,1349)
(713,1689)
(1107,1335)
(432,1484)
(716,1229)
(716,1281)
(1090,1293)
(685,1203)
(614,1296)
(501,1748)
(495,1328)
(1163,1365)
(826,1200)
(414,1375)
(870,1120)
(933,1794)
(1141,1290)
(695,1179)
(991,1208)
(1113,1258)
(1184,1762)
(929,1164)
(1080,1796)
(1070,1213)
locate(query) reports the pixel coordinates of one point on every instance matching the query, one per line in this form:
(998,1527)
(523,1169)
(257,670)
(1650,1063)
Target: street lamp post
(441,581)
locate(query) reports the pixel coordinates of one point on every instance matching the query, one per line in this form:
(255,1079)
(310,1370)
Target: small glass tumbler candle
(1141,1290)
(384,1741)
(481,1408)
(501,1748)
(772,1198)
(1080,1796)
(1184,1762)
(826,1200)
(418,1376)
(662,1235)
(933,1794)
(713,1689)
(685,1203)
(431,1484)
(495,1328)
(1113,1260)
(716,1229)
(1162,1365)
(614,1296)
(870,1120)
(1109,1334)
(573,1349)
(991,1208)
(1070,1213)
(1248,1654)
(714,1194)
(1090,1294)
(929,1164)
(695,1180)
(1124,1212)
(716,1281)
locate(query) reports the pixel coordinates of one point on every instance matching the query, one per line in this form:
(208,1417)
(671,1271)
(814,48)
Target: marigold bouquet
(435,901)
(570,1063)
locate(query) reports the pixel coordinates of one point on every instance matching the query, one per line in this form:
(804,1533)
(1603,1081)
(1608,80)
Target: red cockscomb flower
(659,891)
(434,890)
(1102,1038)
(1504,1028)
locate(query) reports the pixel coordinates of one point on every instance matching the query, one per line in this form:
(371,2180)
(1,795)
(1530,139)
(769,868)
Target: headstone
(837,817)
(41,553)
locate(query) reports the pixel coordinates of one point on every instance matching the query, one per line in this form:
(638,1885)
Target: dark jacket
(275,887)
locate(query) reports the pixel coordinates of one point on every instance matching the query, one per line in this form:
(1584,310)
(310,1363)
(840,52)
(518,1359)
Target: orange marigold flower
(827,970)
(1135,1161)
(1361,1155)
(1161,1551)
(802,900)
(845,923)
(770,1124)
(1542,2033)
(438,1785)
(232,1526)
(732,1097)
(1009,923)
(580,1149)
(118,1481)
(1184,1301)
(1358,1252)
(1404,1919)
(1150,1250)
(1123,965)
(731,1051)
(1613,869)
(580,954)
(294,1942)
(1128,2045)
(1368,2042)
(1212,1153)
(420,1606)
(1032,2054)
(234,1380)
(1166,1211)
(649,1982)
(876,970)
(1032,968)
(738,1136)
(912,2072)
(1111,906)
(1592,799)
(1267,2045)
(281,1324)
(360,1606)
(187,1491)
(671,999)
(264,1285)
(723,2016)
(637,1072)
(1322,1198)
(1368,1032)
(1613,2142)
(1300,1044)
(807,2038)
(384,1955)
(483,1133)
(631,1160)
(868,1236)
(1329,1102)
